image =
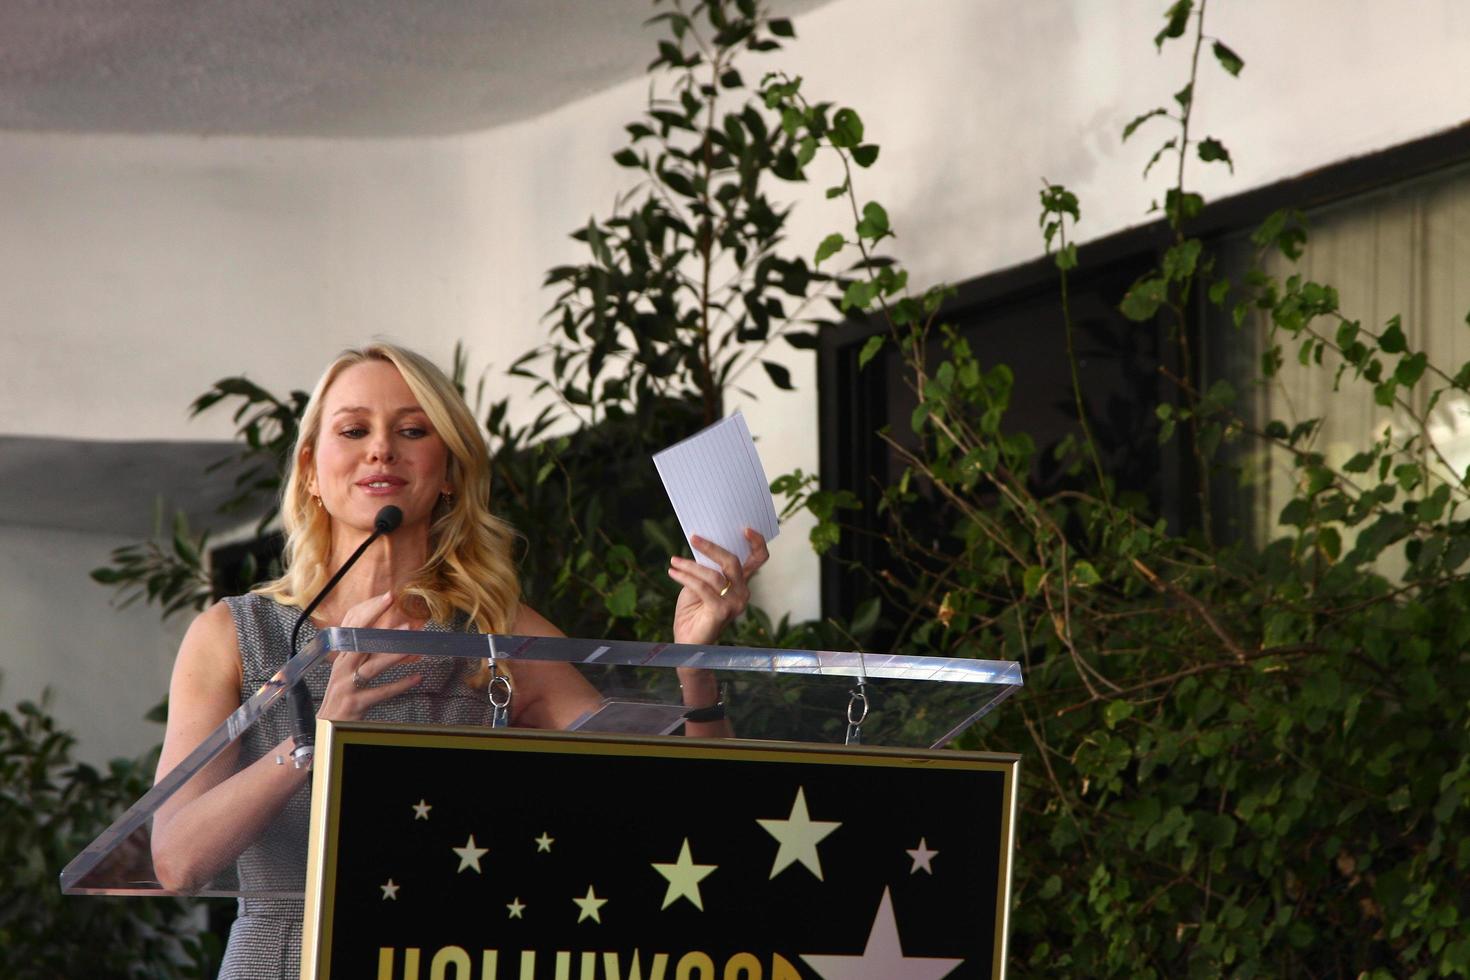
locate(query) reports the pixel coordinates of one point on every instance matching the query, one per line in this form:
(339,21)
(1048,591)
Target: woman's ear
(303,465)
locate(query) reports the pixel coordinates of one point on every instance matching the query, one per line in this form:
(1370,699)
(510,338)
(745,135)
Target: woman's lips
(378,486)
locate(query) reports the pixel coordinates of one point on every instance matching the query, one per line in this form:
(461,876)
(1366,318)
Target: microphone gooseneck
(303,713)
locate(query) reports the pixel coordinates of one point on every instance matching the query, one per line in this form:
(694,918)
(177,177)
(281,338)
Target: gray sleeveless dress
(265,942)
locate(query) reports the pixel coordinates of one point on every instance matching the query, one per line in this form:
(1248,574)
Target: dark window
(1014,317)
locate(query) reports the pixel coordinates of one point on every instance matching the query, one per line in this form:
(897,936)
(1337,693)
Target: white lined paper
(718,487)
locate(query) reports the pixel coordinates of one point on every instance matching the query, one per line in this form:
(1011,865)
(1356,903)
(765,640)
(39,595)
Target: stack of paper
(718,487)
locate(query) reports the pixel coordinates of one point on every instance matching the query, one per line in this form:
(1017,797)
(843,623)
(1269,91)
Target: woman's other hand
(350,689)
(712,598)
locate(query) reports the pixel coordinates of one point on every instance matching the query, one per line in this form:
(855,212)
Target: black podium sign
(465,854)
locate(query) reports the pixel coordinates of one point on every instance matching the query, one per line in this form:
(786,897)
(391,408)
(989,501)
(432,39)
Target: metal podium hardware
(857,704)
(857,712)
(499,691)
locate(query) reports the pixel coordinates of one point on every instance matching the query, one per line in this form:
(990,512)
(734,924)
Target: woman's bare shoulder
(211,645)
(529,622)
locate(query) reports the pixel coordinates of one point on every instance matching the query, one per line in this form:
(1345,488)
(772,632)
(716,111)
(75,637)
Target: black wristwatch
(715,712)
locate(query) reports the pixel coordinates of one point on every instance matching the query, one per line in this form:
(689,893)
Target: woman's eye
(353,432)
(413,432)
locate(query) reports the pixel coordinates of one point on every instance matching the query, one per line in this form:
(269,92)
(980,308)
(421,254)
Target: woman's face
(376,447)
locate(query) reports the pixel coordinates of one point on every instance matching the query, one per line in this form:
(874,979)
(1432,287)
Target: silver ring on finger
(358,681)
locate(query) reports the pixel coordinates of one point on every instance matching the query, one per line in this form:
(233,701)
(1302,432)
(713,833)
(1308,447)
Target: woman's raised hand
(350,689)
(711,598)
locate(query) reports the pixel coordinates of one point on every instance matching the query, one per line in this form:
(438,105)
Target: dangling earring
(318,502)
(446,498)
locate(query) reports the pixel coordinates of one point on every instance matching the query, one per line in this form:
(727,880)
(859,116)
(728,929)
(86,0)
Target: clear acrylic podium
(771,694)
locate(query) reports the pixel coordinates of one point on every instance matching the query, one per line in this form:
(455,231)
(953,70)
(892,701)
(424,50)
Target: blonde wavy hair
(470,570)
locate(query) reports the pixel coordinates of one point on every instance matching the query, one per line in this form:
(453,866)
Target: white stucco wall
(135,270)
(104,668)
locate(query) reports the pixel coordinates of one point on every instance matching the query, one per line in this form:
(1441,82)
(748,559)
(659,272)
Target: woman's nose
(381,449)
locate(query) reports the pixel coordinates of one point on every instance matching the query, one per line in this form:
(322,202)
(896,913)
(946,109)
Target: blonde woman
(383,426)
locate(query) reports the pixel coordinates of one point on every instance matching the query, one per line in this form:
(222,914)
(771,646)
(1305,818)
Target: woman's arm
(710,600)
(554,695)
(219,812)
(547,694)
(215,815)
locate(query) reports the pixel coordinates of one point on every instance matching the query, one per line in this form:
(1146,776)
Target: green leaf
(847,129)
(1228,59)
(1144,299)
(824,537)
(1116,711)
(1411,368)
(1392,340)
(1181,260)
(1032,579)
(1139,120)
(781,27)
(1083,574)
(780,377)
(1211,150)
(1329,542)
(1176,19)
(866,617)
(865,155)
(918,415)
(829,247)
(858,295)
(870,348)
(626,158)
(622,600)
(874,223)
(1167,145)
(1182,207)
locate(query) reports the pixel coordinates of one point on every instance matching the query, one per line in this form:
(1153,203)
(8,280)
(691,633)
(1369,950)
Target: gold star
(799,836)
(544,842)
(469,855)
(516,907)
(684,877)
(390,890)
(421,810)
(922,856)
(590,906)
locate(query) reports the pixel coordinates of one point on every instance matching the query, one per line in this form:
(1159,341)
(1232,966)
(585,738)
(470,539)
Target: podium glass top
(780,694)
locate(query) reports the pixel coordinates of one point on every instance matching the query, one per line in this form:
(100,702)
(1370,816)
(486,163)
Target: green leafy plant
(50,808)
(1245,759)
(685,290)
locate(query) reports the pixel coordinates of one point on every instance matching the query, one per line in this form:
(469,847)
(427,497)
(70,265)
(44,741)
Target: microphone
(303,713)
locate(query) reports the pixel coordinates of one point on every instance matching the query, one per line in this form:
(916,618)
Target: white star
(684,877)
(590,906)
(922,856)
(543,843)
(516,907)
(421,810)
(799,835)
(390,890)
(469,855)
(883,957)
